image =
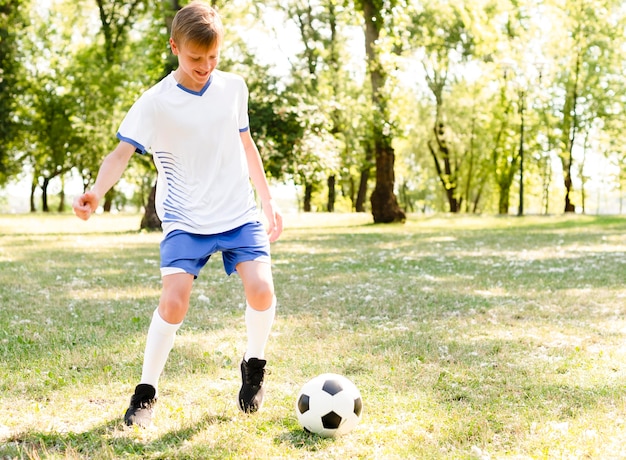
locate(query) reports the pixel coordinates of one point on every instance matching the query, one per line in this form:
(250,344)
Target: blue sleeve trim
(138,147)
(243,130)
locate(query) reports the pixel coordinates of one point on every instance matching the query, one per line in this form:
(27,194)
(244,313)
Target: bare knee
(260,297)
(257,284)
(175,295)
(173,310)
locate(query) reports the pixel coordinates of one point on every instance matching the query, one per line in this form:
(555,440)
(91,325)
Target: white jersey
(203,183)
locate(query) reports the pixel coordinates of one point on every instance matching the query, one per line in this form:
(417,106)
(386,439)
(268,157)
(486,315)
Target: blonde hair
(198,23)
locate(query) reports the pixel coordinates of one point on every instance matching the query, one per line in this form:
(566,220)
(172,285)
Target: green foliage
(275,120)
(325,98)
(13,19)
(452,81)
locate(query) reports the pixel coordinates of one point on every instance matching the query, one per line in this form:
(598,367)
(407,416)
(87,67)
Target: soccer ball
(329,405)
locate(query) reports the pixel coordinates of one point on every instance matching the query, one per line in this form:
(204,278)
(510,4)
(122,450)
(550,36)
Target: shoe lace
(146,404)
(140,402)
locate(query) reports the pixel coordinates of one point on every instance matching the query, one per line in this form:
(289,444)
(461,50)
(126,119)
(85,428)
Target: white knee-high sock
(159,343)
(258,326)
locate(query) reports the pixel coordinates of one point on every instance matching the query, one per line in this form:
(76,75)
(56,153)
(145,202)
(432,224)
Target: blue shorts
(184,252)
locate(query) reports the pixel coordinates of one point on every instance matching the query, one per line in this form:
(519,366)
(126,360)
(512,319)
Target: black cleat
(141,406)
(252,391)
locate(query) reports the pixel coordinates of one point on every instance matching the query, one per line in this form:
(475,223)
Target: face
(195,64)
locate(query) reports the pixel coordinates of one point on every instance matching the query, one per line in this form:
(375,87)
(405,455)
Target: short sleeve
(244,121)
(137,127)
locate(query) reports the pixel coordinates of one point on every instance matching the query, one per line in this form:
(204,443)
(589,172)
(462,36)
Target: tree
(588,67)
(385,208)
(504,159)
(320,85)
(109,71)
(12,21)
(450,129)
(54,141)
(309,170)
(45,108)
(150,219)
(117,17)
(510,115)
(444,33)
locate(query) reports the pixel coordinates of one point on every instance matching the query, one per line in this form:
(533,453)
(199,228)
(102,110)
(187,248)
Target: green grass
(470,338)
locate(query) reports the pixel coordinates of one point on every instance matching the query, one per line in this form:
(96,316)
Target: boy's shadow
(112,436)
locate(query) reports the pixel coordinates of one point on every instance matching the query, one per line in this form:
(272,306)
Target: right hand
(274,219)
(85,205)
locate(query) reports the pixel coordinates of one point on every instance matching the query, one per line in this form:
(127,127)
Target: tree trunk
(570,129)
(385,208)
(108,200)
(361,195)
(446,177)
(33,189)
(364,178)
(569,205)
(61,207)
(330,206)
(44,195)
(351,191)
(150,220)
(308,192)
(503,200)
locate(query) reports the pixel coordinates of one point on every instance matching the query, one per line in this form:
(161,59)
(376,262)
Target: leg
(261,305)
(259,316)
(166,320)
(175,296)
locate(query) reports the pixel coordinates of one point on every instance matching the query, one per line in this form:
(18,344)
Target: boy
(195,124)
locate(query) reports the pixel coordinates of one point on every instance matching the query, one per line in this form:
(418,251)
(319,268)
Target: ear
(173,47)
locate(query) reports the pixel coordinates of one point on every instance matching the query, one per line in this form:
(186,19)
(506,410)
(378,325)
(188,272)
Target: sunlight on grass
(35,224)
(115,295)
(469,337)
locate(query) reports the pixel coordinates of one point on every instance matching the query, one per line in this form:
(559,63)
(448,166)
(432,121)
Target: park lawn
(468,337)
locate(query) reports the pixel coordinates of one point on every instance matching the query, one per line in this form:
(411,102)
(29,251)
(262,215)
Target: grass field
(469,338)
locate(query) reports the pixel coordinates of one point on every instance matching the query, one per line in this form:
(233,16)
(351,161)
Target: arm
(111,170)
(257,175)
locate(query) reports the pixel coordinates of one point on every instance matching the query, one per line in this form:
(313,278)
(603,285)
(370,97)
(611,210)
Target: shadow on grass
(299,439)
(111,439)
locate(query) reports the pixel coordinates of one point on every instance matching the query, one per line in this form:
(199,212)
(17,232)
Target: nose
(204,64)
(208,63)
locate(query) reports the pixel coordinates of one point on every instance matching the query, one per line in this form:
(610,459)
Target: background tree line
(383,106)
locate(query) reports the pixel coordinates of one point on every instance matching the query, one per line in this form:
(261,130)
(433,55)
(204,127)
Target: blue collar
(197,93)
